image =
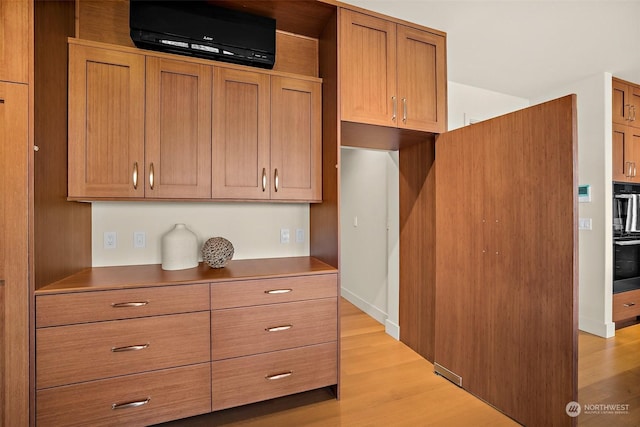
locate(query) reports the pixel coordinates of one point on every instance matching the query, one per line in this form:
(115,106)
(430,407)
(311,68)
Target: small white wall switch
(284,235)
(139,239)
(355,221)
(299,235)
(110,240)
(584,224)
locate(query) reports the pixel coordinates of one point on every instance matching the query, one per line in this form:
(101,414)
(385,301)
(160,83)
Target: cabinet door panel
(634,100)
(178,129)
(367,69)
(633,138)
(241,127)
(620,101)
(421,80)
(621,153)
(106,123)
(296,139)
(15,18)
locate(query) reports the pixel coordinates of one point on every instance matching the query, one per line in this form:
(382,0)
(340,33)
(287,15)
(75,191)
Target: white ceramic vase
(179,248)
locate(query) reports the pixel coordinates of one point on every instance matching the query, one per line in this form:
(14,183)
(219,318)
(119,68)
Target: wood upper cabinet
(241,127)
(15,23)
(391,74)
(296,139)
(106,123)
(178,129)
(625,153)
(626,103)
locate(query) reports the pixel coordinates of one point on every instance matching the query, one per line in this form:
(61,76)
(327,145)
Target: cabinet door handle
(279,328)
(634,169)
(135,175)
(278,291)
(151,176)
(395,108)
(276,180)
(404,110)
(279,376)
(134,404)
(129,304)
(130,348)
(632,110)
(627,172)
(628,116)
(264,179)
(630,304)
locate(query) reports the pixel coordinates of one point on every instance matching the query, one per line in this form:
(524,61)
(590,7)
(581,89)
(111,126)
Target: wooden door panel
(520,315)
(15,25)
(178,129)
(106,123)
(241,130)
(633,138)
(634,101)
(620,153)
(367,69)
(620,102)
(296,139)
(421,80)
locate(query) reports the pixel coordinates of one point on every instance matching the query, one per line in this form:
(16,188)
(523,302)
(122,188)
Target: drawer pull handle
(278,291)
(279,376)
(129,304)
(279,328)
(130,348)
(133,404)
(630,304)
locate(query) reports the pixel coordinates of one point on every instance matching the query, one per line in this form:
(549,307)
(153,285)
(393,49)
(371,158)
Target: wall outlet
(584,224)
(110,240)
(139,239)
(284,235)
(299,235)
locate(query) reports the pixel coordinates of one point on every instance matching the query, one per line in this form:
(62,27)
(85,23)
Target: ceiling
(528,47)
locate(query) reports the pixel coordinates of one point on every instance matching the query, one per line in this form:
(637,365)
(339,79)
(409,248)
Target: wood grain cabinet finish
(132,400)
(106,123)
(91,351)
(14,25)
(626,305)
(625,153)
(625,103)
(391,74)
(177,129)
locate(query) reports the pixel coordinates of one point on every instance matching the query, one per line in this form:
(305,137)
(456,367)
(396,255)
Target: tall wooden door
(106,123)
(506,261)
(14,253)
(241,131)
(177,130)
(296,139)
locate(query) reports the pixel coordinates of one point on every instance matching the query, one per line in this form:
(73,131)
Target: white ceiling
(527,47)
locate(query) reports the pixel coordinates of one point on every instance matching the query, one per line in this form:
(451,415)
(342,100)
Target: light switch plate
(284,235)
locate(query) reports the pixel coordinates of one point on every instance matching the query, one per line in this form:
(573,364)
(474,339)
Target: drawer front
(626,305)
(94,306)
(271,291)
(172,393)
(244,331)
(90,351)
(250,379)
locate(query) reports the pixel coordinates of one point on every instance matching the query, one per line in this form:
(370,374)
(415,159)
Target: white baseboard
(392,329)
(604,330)
(365,306)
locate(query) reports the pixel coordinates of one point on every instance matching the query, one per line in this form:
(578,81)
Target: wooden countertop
(120,277)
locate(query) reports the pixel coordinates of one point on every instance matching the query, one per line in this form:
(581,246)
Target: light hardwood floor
(384,383)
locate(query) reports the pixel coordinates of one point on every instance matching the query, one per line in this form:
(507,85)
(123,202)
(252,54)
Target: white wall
(252,228)
(365,240)
(594,168)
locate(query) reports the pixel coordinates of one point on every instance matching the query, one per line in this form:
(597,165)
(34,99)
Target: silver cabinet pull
(151,177)
(634,169)
(632,109)
(130,348)
(279,328)
(279,376)
(630,304)
(278,291)
(135,175)
(129,304)
(395,108)
(628,107)
(133,404)
(276,180)
(404,110)
(264,179)
(628,171)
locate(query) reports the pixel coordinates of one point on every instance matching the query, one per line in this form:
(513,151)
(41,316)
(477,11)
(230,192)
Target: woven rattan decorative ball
(217,251)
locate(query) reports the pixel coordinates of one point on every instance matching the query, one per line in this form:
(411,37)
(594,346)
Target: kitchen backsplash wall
(254,229)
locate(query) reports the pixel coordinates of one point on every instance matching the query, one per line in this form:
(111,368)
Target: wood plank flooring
(384,383)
